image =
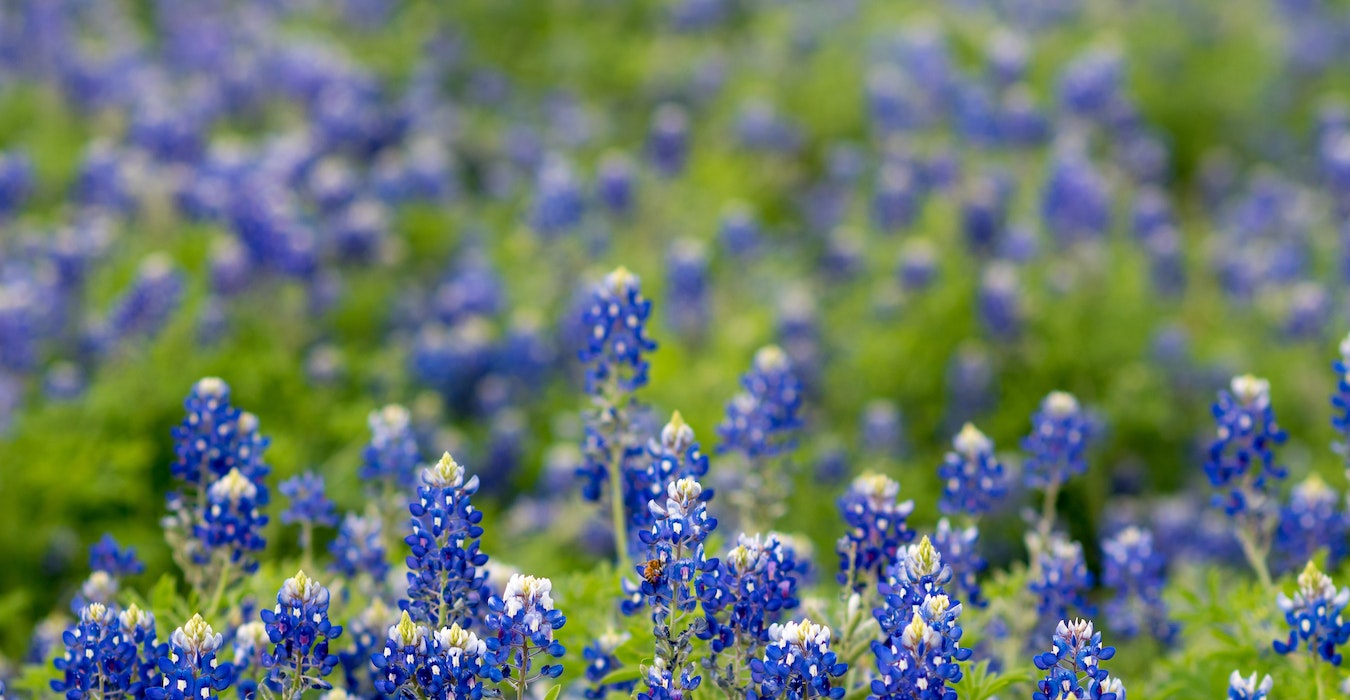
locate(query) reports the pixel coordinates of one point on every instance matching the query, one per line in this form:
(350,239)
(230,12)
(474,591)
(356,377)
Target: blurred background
(940,210)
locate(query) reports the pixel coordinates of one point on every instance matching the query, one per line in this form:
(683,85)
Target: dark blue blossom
(308,502)
(300,630)
(1073,666)
(233,522)
(359,547)
(446,582)
(920,660)
(973,479)
(522,622)
(798,664)
(402,664)
(215,437)
(1340,401)
(668,140)
(558,201)
(918,573)
(616,334)
(1060,432)
(1136,572)
(1315,616)
(960,550)
(1241,460)
(876,522)
(1000,301)
(99,661)
(601,662)
(189,665)
(1311,521)
(117,561)
(756,582)
(676,558)
(1060,579)
(763,420)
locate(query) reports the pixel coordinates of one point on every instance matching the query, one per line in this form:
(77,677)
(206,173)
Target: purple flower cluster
(877,528)
(446,581)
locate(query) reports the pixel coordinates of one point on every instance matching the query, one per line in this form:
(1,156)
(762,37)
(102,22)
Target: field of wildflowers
(674,349)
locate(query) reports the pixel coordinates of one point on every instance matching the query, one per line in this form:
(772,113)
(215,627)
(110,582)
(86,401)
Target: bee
(652,571)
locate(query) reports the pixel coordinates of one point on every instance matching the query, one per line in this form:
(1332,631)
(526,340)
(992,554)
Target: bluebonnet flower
(215,438)
(896,197)
(308,502)
(1073,665)
(676,559)
(189,665)
(1060,432)
(1060,579)
(664,684)
(1309,522)
(445,580)
(99,661)
(250,644)
(973,478)
(674,456)
(359,547)
(755,583)
(366,632)
(1135,571)
(918,661)
(558,203)
(233,522)
(687,287)
(1248,688)
(108,556)
(403,661)
(614,183)
(917,574)
(457,665)
(1315,616)
(798,664)
(1241,459)
(1340,401)
(601,662)
(100,587)
(617,334)
(668,140)
(144,307)
(959,547)
(738,230)
(522,622)
(16,182)
(1076,202)
(392,455)
(1000,301)
(877,527)
(763,419)
(918,265)
(300,630)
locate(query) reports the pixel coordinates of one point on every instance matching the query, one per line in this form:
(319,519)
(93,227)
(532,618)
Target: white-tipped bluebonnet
(918,267)
(189,665)
(1241,459)
(676,455)
(616,323)
(1136,572)
(308,502)
(1310,522)
(1073,665)
(1315,617)
(109,557)
(973,479)
(959,547)
(755,583)
(1061,580)
(738,230)
(1059,436)
(1076,201)
(668,140)
(446,583)
(366,634)
(918,573)
(233,520)
(392,455)
(16,182)
(876,528)
(359,547)
(99,660)
(1249,688)
(145,306)
(920,659)
(521,623)
(215,438)
(798,664)
(300,631)
(896,197)
(676,559)
(402,663)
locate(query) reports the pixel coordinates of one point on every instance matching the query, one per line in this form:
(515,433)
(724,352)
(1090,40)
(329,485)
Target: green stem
(220,586)
(1254,553)
(1044,526)
(524,660)
(616,506)
(1318,678)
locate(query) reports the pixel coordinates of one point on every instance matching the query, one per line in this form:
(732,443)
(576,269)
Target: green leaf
(622,675)
(164,595)
(552,693)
